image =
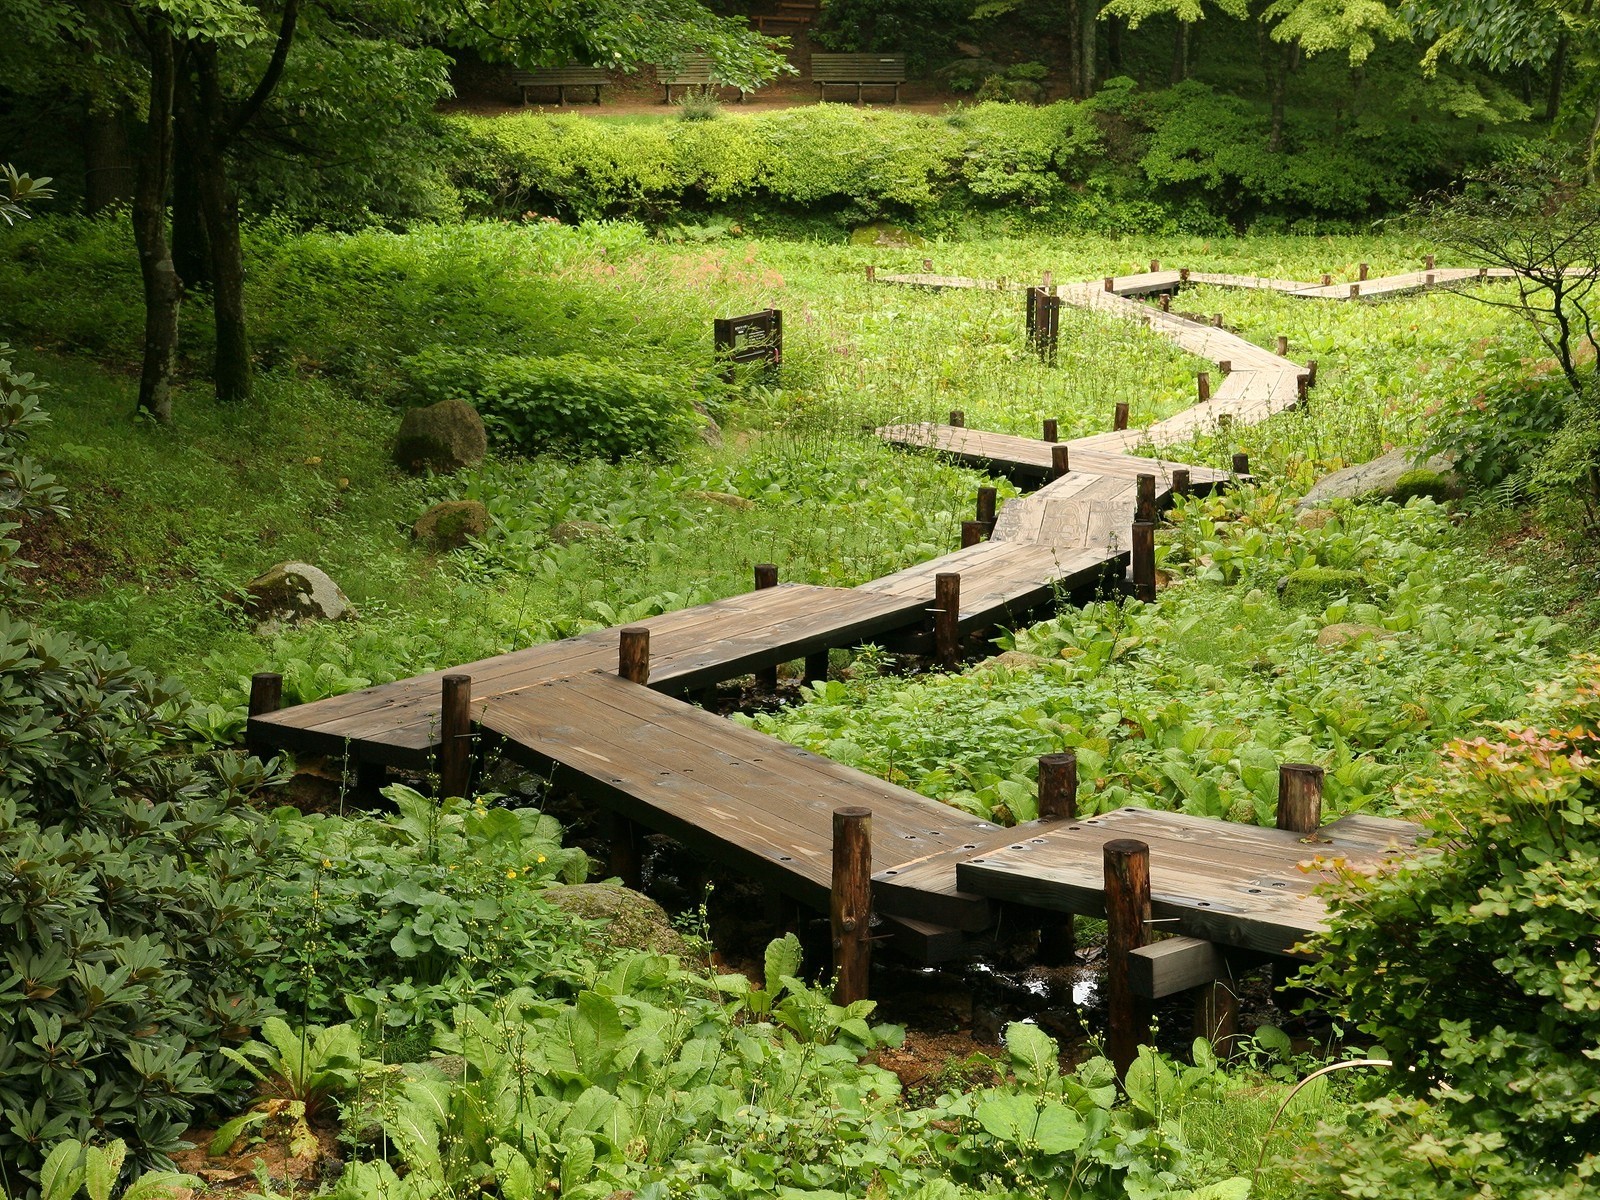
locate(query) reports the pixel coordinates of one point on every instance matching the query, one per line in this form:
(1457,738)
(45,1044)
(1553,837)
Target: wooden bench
(794,14)
(561,78)
(695,71)
(877,70)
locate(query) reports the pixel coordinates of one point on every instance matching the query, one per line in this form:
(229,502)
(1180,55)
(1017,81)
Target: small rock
(1377,478)
(564,533)
(442,437)
(452,524)
(1315,518)
(882,233)
(1334,637)
(726,499)
(1016,660)
(633,922)
(296,592)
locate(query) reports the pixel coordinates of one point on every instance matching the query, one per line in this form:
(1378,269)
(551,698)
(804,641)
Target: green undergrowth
(1360,640)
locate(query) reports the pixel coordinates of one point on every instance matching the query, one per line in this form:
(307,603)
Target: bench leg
(561,95)
(597,95)
(858,95)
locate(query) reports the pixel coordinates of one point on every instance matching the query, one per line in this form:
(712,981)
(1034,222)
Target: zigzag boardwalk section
(1229,884)
(751,802)
(397,724)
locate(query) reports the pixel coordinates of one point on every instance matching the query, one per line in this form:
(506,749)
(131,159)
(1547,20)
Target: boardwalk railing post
(1046,279)
(986,509)
(1361,273)
(626,858)
(1327,280)
(1427,262)
(958,418)
(971,533)
(455,735)
(1058,786)
(1111,283)
(1428,279)
(1165,301)
(1241,463)
(927,264)
(1225,366)
(1119,416)
(1183,274)
(1203,385)
(1058,801)
(1127,880)
(816,667)
(1060,460)
(872,272)
(1052,430)
(850,907)
(266,696)
(767,577)
(1180,481)
(1283,346)
(1311,372)
(947,618)
(1216,320)
(1145,498)
(1155,265)
(1144,561)
(1299,798)
(1216,1015)
(1355,290)
(1302,384)
(633,654)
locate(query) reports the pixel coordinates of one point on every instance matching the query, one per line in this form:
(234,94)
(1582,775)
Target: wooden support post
(1058,801)
(816,667)
(1145,498)
(1052,430)
(872,273)
(1361,273)
(1216,1015)
(455,735)
(767,577)
(1127,880)
(1427,262)
(1155,265)
(1144,561)
(1183,274)
(1241,463)
(851,903)
(1355,290)
(1301,386)
(1428,279)
(1283,346)
(1058,786)
(1203,385)
(1225,366)
(1110,283)
(625,854)
(1216,320)
(1311,372)
(266,696)
(633,654)
(947,618)
(927,264)
(1060,460)
(1165,301)
(1327,279)
(1483,272)
(986,508)
(1299,797)
(1180,481)
(971,533)
(1046,280)
(1119,416)
(958,418)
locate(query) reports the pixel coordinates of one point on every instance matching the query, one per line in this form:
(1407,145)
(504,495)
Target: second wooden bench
(876,70)
(561,78)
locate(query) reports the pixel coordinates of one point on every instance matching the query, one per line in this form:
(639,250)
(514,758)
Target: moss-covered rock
(632,921)
(441,437)
(451,525)
(1422,481)
(1320,584)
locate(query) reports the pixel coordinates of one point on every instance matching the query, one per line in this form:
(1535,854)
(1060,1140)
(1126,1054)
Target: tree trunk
(1180,53)
(191,245)
(1558,73)
(1114,44)
(1088,53)
(1075,47)
(163,293)
(1278,79)
(109,171)
(1589,148)
(217,206)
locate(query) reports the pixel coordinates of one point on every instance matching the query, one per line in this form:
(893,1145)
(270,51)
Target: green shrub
(1476,964)
(1498,435)
(567,402)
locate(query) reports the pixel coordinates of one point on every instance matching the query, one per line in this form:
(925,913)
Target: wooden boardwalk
(766,809)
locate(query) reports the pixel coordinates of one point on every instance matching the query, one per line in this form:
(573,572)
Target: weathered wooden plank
(1174,965)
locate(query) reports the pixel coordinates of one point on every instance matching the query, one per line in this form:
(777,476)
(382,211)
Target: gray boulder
(632,921)
(292,592)
(1377,478)
(442,437)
